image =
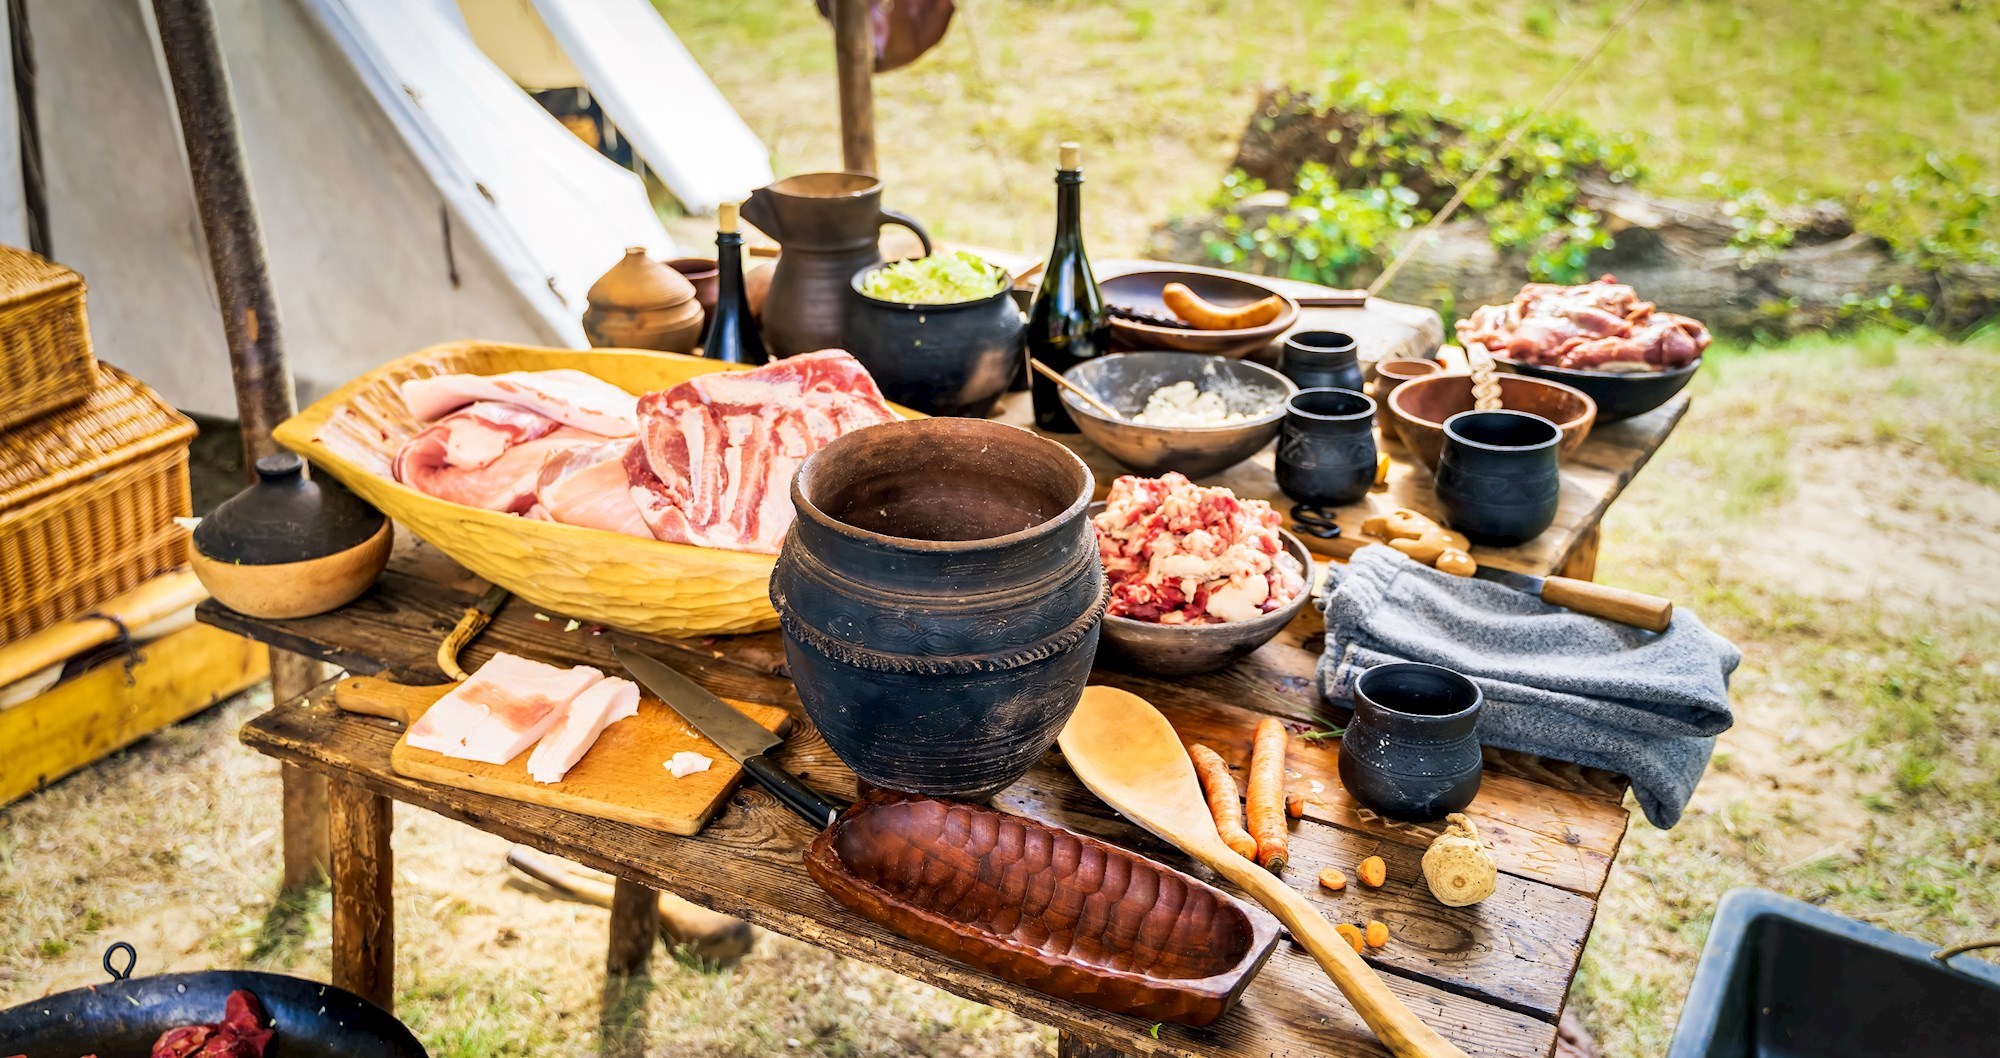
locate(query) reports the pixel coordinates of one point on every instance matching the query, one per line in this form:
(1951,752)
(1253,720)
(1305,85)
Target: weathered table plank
(747,863)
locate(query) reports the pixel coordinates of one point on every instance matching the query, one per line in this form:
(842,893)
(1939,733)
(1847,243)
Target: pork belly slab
(586,716)
(501,710)
(570,397)
(489,455)
(588,486)
(716,454)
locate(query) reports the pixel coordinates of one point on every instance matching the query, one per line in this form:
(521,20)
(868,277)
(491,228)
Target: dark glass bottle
(1067,323)
(732,332)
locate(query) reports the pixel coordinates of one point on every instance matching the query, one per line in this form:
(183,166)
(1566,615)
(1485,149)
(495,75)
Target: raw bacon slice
(588,486)
(504,708)
(490,455)
(716,454)
(570,397)
(604,703)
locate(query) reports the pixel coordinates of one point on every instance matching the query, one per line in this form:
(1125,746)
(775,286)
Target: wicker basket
(88,497)
(45,357)
(642,585)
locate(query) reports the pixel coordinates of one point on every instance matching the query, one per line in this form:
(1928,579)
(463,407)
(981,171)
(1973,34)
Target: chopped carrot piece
(1377,935)
(1373,872)
(1350,933)
(1333,879)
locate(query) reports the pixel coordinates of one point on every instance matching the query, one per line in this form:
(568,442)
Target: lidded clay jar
(643,304)
(290,546)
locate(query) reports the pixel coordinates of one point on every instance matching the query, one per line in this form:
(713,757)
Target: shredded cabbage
(940,279)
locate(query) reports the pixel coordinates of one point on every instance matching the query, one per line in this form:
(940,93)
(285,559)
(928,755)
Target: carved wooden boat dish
(1042,907)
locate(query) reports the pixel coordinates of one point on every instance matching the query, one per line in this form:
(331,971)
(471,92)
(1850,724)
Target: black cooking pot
(123,1018)
(939,359)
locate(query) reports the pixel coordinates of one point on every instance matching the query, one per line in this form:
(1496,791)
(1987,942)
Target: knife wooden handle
(1622,605)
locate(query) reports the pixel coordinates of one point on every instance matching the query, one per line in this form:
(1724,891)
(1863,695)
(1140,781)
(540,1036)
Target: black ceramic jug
(940,598)
(827,225)
(1412,750)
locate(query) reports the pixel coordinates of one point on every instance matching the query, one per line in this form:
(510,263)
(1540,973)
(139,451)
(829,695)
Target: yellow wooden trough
(642,585)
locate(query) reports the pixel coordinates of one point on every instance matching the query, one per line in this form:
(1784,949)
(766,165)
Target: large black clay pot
(1412,750)
(939,359)
(940,599)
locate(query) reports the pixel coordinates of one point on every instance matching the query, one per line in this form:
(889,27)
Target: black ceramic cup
(1321,360)
(1412,750)
(1497,480)
(1326,450)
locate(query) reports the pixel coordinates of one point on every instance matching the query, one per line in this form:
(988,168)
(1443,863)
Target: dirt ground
(1846,558)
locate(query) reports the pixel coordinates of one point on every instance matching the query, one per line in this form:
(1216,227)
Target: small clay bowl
(1392,373)
(1184,650)
(285,590)
(1126,380)
(1418,409)
(704,274)
(290,546)
(1141,291)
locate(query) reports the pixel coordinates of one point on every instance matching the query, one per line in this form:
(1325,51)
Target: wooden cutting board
(623,777)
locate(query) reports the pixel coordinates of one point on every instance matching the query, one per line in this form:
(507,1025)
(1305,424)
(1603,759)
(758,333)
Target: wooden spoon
(1128,755)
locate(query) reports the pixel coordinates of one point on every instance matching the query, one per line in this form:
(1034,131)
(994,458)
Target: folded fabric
(1647,706)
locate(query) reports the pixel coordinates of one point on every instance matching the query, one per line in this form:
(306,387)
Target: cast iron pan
(122,1018)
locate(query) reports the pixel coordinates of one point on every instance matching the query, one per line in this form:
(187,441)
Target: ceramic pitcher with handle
(827,225)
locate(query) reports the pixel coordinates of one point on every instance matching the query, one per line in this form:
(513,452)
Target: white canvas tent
(410,192)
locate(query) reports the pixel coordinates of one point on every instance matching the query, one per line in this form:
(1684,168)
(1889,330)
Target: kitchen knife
(744,739)
(1622,605)
(1648,612)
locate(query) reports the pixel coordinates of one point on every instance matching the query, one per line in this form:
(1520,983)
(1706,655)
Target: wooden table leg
(305,812)
(635,923)
(1581,563)
(1068,1046)
(364,910)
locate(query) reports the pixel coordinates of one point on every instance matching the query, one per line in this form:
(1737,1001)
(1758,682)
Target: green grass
(1821,98)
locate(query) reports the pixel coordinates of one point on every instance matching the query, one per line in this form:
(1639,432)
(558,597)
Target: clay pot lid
(286,517)
(638,283)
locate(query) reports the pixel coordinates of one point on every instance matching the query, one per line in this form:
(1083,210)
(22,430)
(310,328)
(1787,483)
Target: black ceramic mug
(1412,750)
(1497,479)
(1326,450)
(1321,360)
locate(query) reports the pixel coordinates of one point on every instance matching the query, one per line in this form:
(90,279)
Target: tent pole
(854,65)
(264,396)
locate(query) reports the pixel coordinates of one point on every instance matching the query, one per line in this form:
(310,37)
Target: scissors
(1314,520)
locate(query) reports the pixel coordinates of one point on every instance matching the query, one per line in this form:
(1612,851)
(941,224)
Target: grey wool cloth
(1557,684)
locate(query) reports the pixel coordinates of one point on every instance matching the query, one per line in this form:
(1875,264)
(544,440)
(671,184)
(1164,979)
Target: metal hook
(131,961)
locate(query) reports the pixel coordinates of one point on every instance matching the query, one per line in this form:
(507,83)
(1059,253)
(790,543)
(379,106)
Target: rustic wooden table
(1493,977)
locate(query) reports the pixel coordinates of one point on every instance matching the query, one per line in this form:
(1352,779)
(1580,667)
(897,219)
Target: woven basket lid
(637,283)
(121,421)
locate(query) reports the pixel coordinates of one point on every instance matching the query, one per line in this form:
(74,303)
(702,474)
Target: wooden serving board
(622,778)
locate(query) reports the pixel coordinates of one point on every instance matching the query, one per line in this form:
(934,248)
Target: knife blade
(1627,607)
(745,740)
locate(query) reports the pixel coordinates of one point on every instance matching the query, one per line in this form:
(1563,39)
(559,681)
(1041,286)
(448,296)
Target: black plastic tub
(1783,979)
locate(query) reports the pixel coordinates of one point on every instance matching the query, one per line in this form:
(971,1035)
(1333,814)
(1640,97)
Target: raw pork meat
(240,1034)
(567,396)
(1601,326)
(716,454)
(490,455)
(605,703)
(1178,553)
(504,708)
(587,485)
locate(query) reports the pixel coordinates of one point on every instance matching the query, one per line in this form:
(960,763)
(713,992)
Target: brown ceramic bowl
(1419,407)
(286,590)
(1141,291)
(1184,650)
(703,273)
(1125,380)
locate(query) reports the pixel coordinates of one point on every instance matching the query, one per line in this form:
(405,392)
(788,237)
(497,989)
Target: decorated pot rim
(1367,410)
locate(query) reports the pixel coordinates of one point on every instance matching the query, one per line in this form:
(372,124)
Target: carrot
(1377,935)
(1373,872)
(1351,933)
(1266,801)
(1331,878)
(1295,803)
(1220,787)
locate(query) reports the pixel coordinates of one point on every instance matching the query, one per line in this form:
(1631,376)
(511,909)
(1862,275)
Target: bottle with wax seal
(732,333)
(1067,321)
(289,545)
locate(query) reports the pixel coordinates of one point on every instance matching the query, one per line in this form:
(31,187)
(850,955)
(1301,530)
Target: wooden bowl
(1055,911)
(1185,650)
(1141,291)
(650,586)
(1419,407)
(1125,380)
(284,590)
